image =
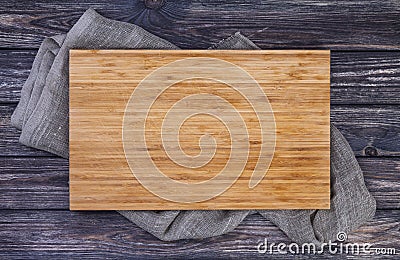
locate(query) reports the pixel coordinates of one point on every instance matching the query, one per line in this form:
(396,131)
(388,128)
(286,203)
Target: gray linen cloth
(42,114)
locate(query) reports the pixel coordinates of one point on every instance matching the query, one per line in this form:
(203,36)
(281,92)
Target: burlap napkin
(42,114)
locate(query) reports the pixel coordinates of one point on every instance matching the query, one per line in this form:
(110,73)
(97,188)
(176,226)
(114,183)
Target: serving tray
(199,129)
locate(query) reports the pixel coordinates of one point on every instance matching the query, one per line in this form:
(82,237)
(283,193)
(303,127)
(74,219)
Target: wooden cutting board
(196,129)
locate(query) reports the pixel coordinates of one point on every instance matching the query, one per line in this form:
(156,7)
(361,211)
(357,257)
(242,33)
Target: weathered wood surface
(31,233)
(197,24)
(42,182)
(356,77)
(9,145)
(365,84)
(370,130)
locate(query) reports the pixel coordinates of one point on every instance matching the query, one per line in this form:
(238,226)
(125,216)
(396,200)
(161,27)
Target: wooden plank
(270,122)
(42,182)
(366,69)
(9,145)
(34,183)
(382,178)
(365,95)
(370,130)
(273,24)
(356,77)
(14,70)
(65,234)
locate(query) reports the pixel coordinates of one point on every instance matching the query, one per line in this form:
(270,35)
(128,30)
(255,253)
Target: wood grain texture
(14,70)
(365,69)
(42,182)
(34,183)
(356,77)
(370,130)
(382,178)
(9,136)
(61,234)
(294,133)
(274,24)
(368,78)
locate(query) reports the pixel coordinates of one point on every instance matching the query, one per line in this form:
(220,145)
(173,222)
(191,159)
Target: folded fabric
(32,89)
(42,113)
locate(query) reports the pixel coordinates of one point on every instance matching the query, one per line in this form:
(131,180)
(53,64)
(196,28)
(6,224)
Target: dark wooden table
(365,100)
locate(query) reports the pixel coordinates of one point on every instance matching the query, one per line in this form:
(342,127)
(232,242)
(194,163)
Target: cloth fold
(42,114)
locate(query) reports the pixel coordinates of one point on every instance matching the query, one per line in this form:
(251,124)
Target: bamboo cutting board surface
(184,129)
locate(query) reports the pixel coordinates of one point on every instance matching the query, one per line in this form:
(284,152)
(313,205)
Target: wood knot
(154,4)
(371,151)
